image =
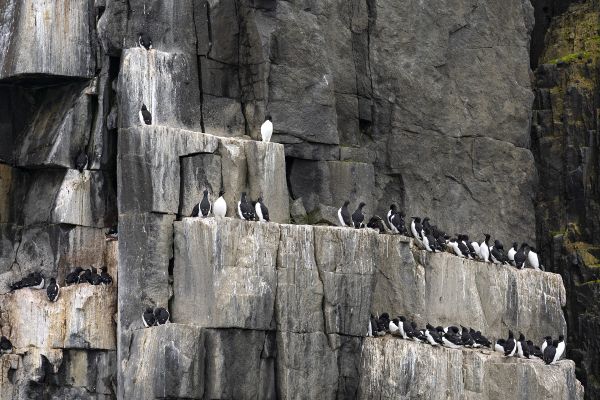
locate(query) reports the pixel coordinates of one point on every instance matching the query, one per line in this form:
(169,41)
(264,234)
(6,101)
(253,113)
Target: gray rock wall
(400,369)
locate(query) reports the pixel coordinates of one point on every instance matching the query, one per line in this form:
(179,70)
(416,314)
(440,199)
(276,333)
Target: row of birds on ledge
(35,280)
(454,338)
(247,210)
(429,237)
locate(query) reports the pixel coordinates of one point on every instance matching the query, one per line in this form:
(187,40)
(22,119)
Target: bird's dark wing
(196,210)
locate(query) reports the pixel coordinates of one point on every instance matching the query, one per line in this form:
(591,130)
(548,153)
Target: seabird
(426,241)
(376,222)
(397,221)
(430,335)
(73,276)
(161,315)
(450,340)
(105,278)
(415,229)
(549,352)
(462,245)
(512,252)
(532,259)
(520,257)
(547,342)
(358,216)
(560,349)
(85,276)
(220,206)
(393,210)
(112,234)
(499,346)
(406,330)
(522,347)
(145,116)
(245,209)
(497,253)
(393,327)
(148,318)
(454,246)
(53,290)
(145,41)
(81,161)
(467,339)
(534,350)
(262,212)
(266,129)
(94,278)
(5,345)
(204,205)
(484,248)
(37,281)
(344,215)
(510,346)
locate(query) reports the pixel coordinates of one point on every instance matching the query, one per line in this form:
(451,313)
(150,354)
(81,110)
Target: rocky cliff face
(424,103)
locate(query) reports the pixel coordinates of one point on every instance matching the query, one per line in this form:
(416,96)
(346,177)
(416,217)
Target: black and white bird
(392,211)
(532,259)
(105,278)
(432,336)
(534,350)
(549,352)
(376,222)
(112,234)
(455,248)
(6,346)
(512,252)
(476,248)
(94,277)
(415,229)
(484,248)
(522,347)
(72,277)
(358,217)
(145,41)
(398,223)
(145,116)
(220,205)
(547,342)
(499,345)
(560,349)
(161,315)
(53,290)
(37,281)
(81,161)
(245,209)
(203,208)
(462,245)
(497,253)
(344,214)
(148,318)
(262,212)
(510,346)
(266,129)
(85,276)
(520,256)
(393,327)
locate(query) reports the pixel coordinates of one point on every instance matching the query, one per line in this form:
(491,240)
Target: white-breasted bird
(266,129)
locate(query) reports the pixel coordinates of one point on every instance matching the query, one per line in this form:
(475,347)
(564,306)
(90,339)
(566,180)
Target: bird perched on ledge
(266,129)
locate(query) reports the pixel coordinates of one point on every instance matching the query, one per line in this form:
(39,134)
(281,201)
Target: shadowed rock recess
(426,103)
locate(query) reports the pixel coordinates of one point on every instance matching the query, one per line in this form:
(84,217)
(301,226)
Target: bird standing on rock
(245,209)
(512,252)
(520,257)
(266,129)
(393,210)
(202,208)
(161,315)
(560,349)
(145,41)
(510,346)
(148,318)
(358,217)
(220,205)
(261,210)
(81,161)
(73,276)
(484,248)
(53,290)
(145,116)
(532,258)
(5,345)
(344,214)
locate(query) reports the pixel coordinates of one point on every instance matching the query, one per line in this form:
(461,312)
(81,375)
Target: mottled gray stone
(31,27)
(199,172)
(323,214)
(223,116)
(167,83)
(297,212)
(224,274)
(396,368)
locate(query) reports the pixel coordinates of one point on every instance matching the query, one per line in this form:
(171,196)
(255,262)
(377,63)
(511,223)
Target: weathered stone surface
(224,274)
(166,361)
(395,368)
(30,34)
(149,170)
(332,182)
(167,83)
(82,318)
(182,361)
(199,172)
(443,289)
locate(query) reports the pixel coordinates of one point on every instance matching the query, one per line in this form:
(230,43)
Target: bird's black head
(532,249)
(555,343)
(465,237)
(417,219)
(243,195)
(385,316)
(149,310)
(511,335)
(205,192)
(515,245)
(521,337)
(529,342)
(548,339)
(346,203)
(487,236)
(396,321)
(523,245)
(78,270)
(103,269)
(144,107)
(426,219)
(429,326)
(393,207)
(268,118)
(221,192)
(402,318)
(561,338)
(361,205)
(52,281)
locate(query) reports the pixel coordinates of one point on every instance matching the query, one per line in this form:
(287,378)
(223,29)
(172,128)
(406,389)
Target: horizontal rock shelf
(233,273)
(81,318)
(400,369)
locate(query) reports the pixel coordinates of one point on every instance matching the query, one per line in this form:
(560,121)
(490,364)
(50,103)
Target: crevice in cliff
(199,61)
(239,67)
(544,12)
